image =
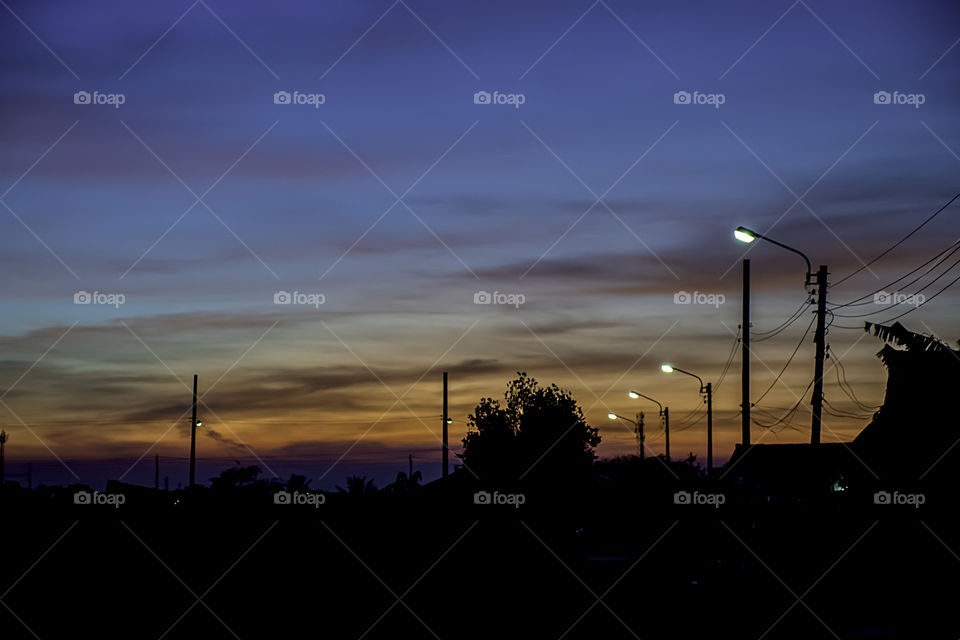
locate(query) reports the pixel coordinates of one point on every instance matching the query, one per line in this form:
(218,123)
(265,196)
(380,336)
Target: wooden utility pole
(641,438)
(3,444)
(820,338)
(193,435)
(745,358)
(156,472)
(446,448)
(709,429)
(666,430)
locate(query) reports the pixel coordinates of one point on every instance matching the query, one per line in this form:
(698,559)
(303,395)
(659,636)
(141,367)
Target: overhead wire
(899,242)
(789,360)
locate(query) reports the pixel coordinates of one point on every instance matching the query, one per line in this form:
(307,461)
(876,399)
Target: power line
(789,413)
(866,298)
(905,298)
(789,360)
(733,352)
(899,242)
(846,388)
(772,333)
(839,413)
(908,311)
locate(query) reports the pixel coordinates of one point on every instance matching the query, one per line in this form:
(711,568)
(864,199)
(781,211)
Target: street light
(746,235)
(637,429)
(706,389)
(664,413)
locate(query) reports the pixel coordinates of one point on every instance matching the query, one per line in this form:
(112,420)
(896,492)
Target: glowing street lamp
(664,413)
(706,389)
(637,429)
(746,235)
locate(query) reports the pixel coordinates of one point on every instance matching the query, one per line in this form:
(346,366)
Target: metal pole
(745,358)
(3,443)
(666,430)
(709,429)
(193,435)
(643,439)
(820,340)
(446,448)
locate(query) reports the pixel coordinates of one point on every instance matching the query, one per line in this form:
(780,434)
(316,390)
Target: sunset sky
(399,198)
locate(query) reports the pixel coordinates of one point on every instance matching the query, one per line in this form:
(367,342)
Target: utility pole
(156,471)
(446,448)
(666,430)
(709,429)
(29,475)
(193,435)
(641,438)
(3,443)
(410,457)
(745,358)
(820,339)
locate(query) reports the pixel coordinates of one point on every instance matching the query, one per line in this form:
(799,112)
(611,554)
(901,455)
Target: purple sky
(398,199)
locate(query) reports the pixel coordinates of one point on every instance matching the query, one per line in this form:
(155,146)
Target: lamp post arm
(692,375)
(788,248)
(651,400)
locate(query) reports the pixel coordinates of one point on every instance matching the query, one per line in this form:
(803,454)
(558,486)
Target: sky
(171,174)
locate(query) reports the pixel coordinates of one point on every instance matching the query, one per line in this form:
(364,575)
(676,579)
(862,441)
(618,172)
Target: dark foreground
(433,564)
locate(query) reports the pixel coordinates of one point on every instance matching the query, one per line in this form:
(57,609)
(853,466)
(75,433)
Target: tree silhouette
(403,484)
(235,477)
(540,435)
(358,485)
